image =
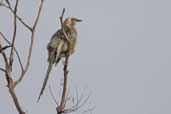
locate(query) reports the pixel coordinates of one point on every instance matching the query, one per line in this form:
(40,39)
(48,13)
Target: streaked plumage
(58,46)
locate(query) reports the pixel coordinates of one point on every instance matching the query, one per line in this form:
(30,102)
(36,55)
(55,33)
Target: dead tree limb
(8,6)
(11,84)
(62,106)
(17,53)
(31,44)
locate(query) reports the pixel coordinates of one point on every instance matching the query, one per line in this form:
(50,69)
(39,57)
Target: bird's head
(71,21)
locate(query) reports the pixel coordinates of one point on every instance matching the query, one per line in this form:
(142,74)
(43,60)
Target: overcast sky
(123,56)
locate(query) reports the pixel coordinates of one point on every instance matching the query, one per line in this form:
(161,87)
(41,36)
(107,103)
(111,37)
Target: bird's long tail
(46,79)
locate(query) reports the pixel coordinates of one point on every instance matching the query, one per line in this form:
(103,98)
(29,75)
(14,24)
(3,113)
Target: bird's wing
(54,44)
(54,49)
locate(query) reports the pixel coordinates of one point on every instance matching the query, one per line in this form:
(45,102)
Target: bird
(59,47)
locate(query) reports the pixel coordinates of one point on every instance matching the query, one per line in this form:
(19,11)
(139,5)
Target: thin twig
(38,15)
(76,110)
(79,104)
(3,70)
(4,48)
(18,56)
(61,107)
(31,44)
(76,90)
(4,56)
(18,17)
(79,99)
(6,64)
(62,25)
(8,3)
(53,96)
(21,20)
(83,103)
(9,64)
(14,36)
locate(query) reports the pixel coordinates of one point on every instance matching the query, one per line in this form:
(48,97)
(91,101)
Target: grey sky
(123,55)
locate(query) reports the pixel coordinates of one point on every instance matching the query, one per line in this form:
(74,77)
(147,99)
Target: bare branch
(76,110)
(6,64)
(31,44)
(53,96)
(21,20)
(24,70)
(11,88)
(80,102)
(83,103)
(18,56)
(79,99)
(15,99)
(4,48)
(18,17)
(61,107)
(8,3)
(14,35)
(4,56)
(62,25)
(67,98)
(3,70)
(9,64)
(88,110)
(38,15)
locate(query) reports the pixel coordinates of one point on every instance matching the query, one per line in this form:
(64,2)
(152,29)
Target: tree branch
(4,56)
(15,99)
(61,107)
(18,56)
(8,70)
(31,44)
(4,48)
(8,3)
(38,15)
(3,70)
(62,25)
(9,65)
(14,36)
(53,96)
(18,17)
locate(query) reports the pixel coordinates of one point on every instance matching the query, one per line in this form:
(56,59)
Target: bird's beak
(77,20)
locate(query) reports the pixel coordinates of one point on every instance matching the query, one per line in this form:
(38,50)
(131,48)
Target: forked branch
(11,84)
(62,107)
(31,44)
